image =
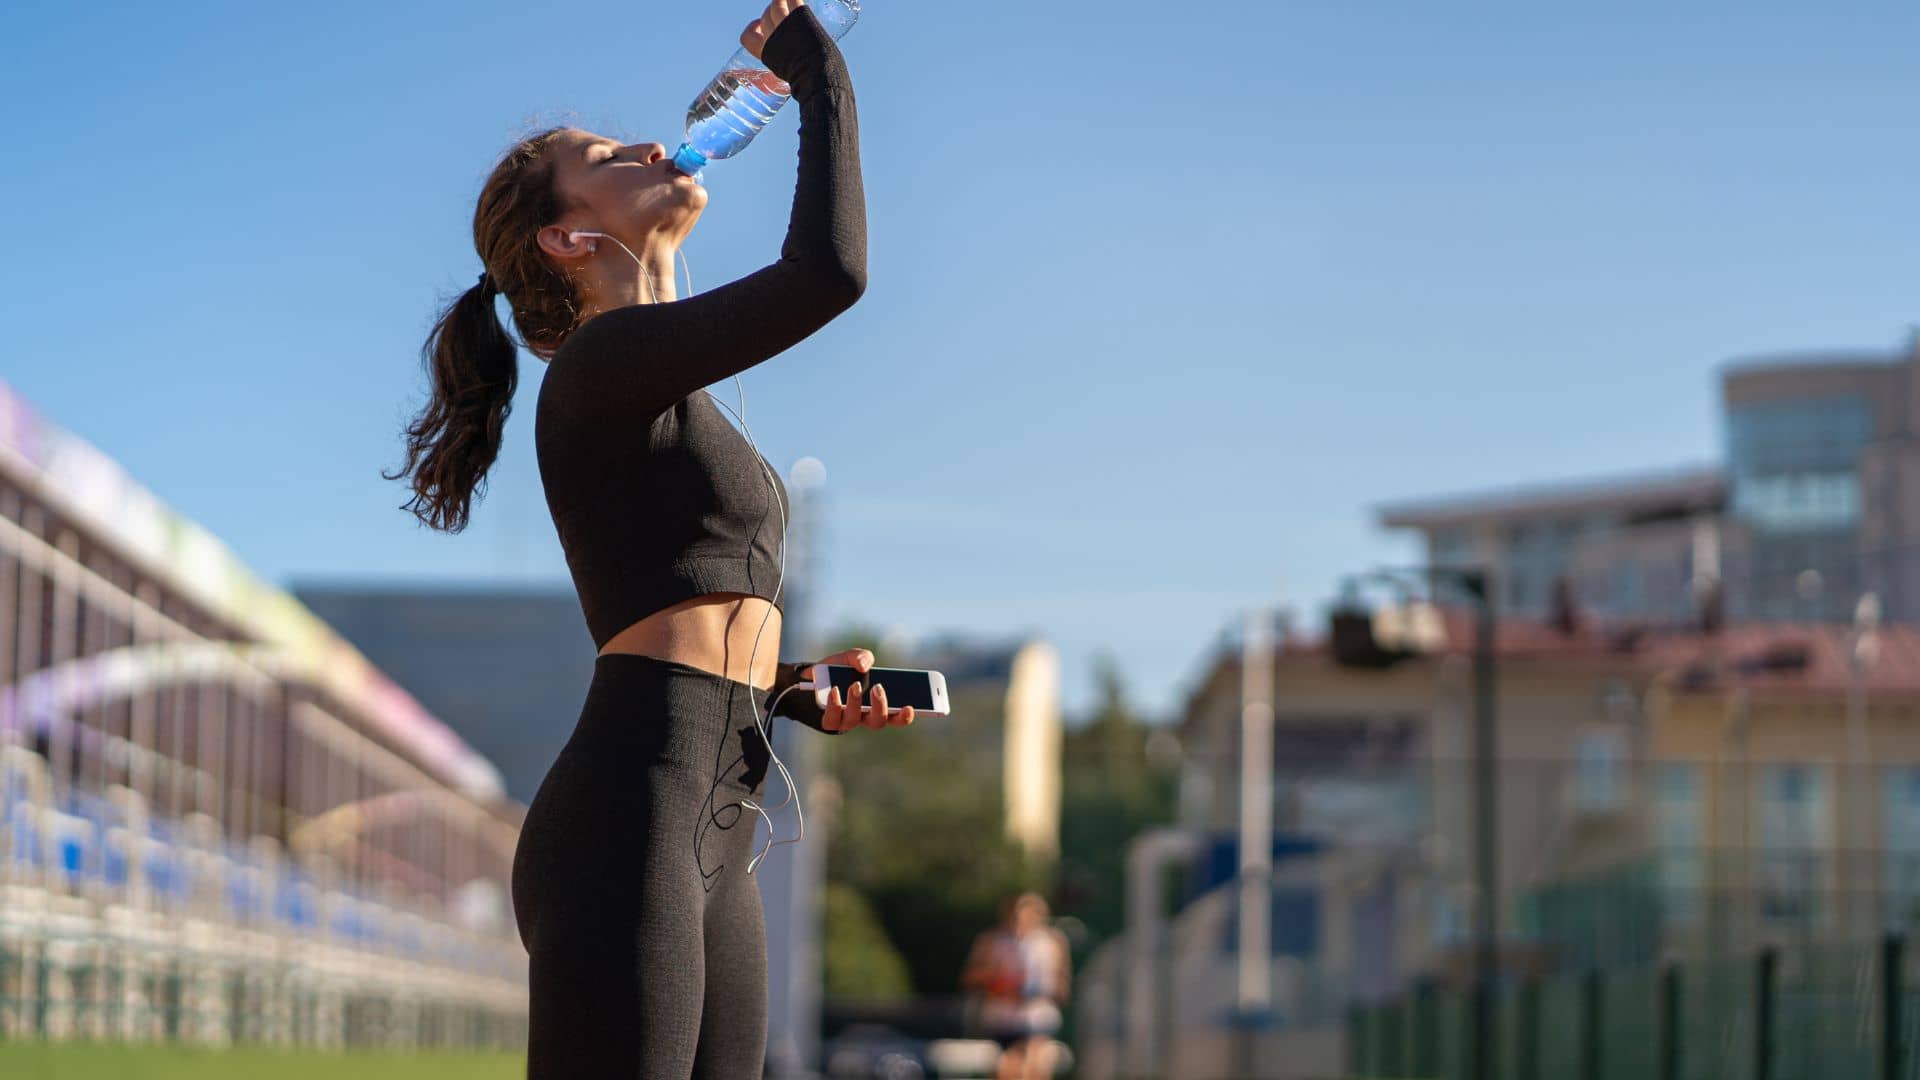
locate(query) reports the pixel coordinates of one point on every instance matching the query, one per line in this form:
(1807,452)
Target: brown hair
(470,361)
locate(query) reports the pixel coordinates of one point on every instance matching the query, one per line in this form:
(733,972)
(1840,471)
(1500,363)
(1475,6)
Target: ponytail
(471,362)
(473,366)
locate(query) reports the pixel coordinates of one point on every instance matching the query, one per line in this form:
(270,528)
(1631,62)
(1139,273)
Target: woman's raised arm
(633,362)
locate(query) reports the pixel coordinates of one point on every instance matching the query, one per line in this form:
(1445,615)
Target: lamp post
(790,886)
(1486,854)
(1253,997)
(1864,649)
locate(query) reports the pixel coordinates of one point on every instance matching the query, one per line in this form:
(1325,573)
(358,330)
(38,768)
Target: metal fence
(97,990)
(1820,1012)
(126,927)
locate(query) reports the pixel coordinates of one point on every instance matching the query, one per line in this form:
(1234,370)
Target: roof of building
(1784,657)
(1779,656)
(1821,361)
(1814,658)
(1693,488)
(1813,359)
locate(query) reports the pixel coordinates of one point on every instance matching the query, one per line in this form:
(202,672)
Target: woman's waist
(731,636)
(673,719)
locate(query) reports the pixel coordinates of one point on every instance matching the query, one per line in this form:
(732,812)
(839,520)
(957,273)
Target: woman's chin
(671,217)
(683,200)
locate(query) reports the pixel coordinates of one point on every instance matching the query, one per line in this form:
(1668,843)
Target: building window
(1450,547)
(1519,593)
(1627,593)
(1676,812)
(1794,463)
(1799,501)
(1793,825)
(1448,916)
(1900,842)
(1600,755)
(1536,554)
(1808,434)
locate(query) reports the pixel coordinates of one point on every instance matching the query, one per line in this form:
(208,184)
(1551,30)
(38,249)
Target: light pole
(1863,650)
(790,886)
(1253,997)
(1486,854)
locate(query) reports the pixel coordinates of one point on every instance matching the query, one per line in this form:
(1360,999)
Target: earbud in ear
(578,233)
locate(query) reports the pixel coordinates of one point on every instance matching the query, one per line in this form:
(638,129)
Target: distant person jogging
(645,934)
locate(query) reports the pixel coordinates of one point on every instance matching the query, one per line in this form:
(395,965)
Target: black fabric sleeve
(798,705)
(687,344)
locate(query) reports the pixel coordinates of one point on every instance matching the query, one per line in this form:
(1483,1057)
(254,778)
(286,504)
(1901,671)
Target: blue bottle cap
(689,161)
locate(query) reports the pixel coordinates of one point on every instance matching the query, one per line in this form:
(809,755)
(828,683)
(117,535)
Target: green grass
(81,1061)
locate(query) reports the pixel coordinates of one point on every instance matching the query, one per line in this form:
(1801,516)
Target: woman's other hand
(755,36)
(841,715)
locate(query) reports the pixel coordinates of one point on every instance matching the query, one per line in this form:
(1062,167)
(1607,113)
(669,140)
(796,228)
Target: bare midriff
(713,632)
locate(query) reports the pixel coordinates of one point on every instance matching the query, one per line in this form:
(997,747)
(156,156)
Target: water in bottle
(740,100)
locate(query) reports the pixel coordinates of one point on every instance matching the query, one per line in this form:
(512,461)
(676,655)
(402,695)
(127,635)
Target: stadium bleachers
(84,852)
(143,670)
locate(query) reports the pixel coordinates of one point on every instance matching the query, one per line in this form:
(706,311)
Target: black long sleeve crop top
(656,496)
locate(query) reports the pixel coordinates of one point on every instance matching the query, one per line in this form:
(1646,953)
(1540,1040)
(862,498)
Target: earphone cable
(753,654)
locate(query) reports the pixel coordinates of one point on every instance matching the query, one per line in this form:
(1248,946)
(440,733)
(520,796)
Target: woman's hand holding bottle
(754,37)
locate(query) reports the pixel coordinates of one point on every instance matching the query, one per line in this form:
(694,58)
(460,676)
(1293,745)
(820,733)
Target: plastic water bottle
(740,100)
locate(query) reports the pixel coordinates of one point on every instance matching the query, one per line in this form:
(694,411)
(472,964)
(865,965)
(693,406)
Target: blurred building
(1375,765)
(1823,469)
(507,669)
(1776,791)
(1006,723)
(1818,502)
(218,821)
(1631,545)
(1695,751)
(1659,752)
(1660,792)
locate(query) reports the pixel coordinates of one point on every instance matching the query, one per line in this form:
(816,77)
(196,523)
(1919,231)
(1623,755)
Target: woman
(1022,970)
(646,941)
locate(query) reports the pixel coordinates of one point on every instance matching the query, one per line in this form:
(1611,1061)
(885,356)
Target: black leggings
(648,952)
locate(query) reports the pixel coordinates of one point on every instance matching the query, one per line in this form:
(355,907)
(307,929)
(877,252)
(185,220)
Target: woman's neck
(620,285)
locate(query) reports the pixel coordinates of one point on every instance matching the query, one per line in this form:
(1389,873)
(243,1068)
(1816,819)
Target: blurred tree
(854,635)
(1111,790)
(857,960)
(925,843)
(920,834)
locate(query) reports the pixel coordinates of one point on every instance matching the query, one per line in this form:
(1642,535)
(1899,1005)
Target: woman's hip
(655,727)
(650,782)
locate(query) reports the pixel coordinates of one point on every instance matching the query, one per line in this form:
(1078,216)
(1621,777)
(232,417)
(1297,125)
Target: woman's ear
(563,242)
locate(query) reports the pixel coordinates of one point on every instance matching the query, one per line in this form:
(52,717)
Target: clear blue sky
(1194,287)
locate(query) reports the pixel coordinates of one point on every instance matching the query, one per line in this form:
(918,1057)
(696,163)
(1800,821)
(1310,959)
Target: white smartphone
(926,691)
